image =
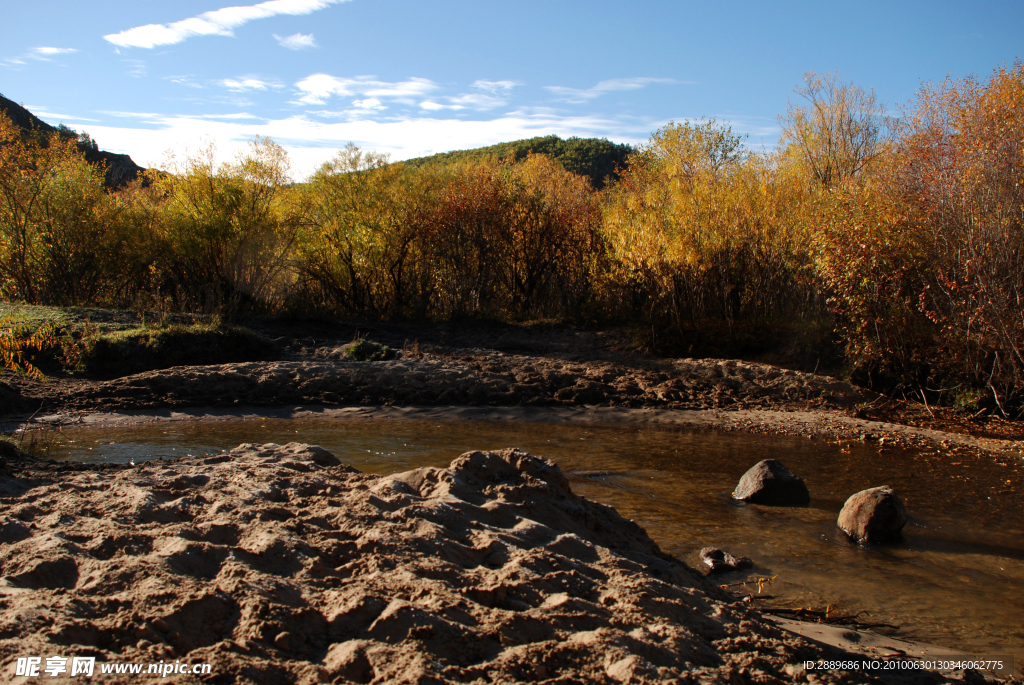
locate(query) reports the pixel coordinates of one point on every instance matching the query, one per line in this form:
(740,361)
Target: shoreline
(823,424)
(528,372)
(870,646)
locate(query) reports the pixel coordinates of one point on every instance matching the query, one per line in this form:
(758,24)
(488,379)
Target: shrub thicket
(484,238)
(710,240)
(902,237)
(63,238)
(924,255)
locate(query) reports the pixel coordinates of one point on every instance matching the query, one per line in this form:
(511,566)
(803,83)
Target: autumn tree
(62,236)
(704,233)
(226,236)
(838,129)
(359,254)
(962,172)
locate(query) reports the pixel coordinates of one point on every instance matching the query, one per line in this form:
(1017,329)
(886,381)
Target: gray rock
(769,482)
(874,515)
(720,561)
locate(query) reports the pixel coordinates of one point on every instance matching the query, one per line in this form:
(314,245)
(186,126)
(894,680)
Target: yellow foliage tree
(225,233)
(839,130)
(61,234)
(359,254)
(962,172)
(709,232)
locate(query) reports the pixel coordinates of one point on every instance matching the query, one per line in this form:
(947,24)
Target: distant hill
(120,168)
(596,158)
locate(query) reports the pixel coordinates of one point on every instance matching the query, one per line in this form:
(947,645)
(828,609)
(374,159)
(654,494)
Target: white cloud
(137,68)
(762,132)
(238,115)
(577,95)
(43,53)
(220,22)
(318,88)
(366,111)
(496,87)
(130,115)
(477,101)
(40,54)
(358,110)
(296,41)
(186,80)
(248,83)
(45,114)
(490,94)
(369,104)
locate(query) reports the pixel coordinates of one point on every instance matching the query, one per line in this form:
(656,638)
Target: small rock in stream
(769,482)
(874,515)
(721,561)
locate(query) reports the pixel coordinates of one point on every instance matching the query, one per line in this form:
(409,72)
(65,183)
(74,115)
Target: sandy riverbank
(308,572)
(462,377)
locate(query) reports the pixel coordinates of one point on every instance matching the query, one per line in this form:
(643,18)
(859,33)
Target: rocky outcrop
(770,482)
(119,169)
(874,515)
(277,564)
(358,350)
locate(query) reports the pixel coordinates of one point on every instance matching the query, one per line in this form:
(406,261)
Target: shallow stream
(956,579)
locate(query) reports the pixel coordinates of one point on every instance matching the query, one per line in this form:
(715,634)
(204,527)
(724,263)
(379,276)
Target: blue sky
(411,78)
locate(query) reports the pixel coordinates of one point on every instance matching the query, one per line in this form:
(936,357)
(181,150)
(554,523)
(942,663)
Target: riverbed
(953,581)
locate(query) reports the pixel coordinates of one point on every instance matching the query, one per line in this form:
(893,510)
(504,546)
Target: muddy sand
(277,564)
(483,378)
(727,394)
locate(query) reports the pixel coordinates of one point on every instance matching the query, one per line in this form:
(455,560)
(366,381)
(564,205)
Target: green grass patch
(32,317)
(363,350)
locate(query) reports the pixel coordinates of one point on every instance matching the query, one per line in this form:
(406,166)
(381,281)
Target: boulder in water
(769,482)
(874,515)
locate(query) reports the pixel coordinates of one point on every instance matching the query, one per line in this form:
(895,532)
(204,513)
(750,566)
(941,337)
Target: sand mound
(278,564)
(478,379)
